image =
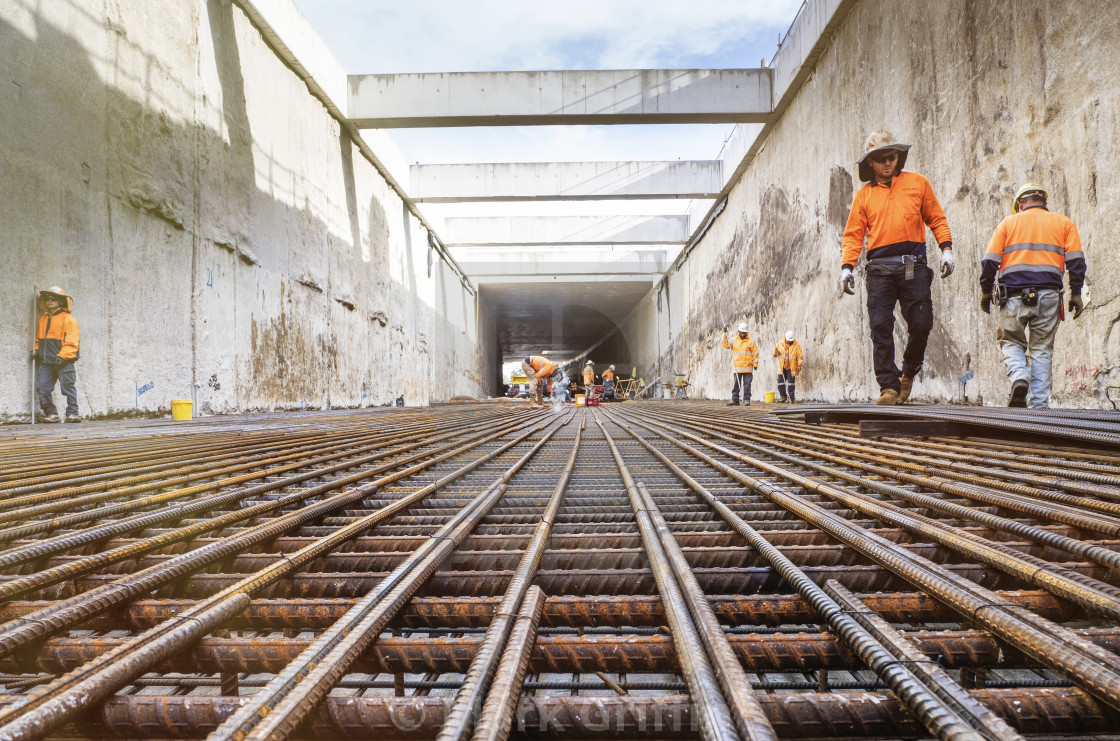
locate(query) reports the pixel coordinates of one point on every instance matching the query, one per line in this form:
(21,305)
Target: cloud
(371,36)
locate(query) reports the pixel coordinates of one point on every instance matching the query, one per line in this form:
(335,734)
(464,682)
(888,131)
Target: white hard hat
(789,336)
(588,363)
(612,367)
(742,327)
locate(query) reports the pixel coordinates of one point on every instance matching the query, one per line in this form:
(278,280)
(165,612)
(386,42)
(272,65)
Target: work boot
(1018,394)
(747,403)
(888,398)
(732,403)
(51,418)
(907,385)
(783,400)
(71,418)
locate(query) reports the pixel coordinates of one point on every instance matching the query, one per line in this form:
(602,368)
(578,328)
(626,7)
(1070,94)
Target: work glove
(986,303)
(948,262)
(848,280)
(1076,305)
(34,354)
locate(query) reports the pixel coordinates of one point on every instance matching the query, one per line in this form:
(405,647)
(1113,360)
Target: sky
(379,36)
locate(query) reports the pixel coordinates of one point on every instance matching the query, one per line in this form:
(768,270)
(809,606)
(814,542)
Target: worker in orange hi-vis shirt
(588,378)
(1030,250)
(892,212)
(537,369)
(744,361)
(56,350)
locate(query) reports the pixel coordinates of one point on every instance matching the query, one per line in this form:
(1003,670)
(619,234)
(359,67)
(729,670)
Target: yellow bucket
(768,397)
(581,400)
(181,409)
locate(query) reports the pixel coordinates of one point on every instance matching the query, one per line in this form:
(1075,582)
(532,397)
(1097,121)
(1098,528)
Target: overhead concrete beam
(566,181)
(575,276)
(560,97)
(471,231)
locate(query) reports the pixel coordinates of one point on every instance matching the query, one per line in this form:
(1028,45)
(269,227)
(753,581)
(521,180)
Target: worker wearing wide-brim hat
(589,377)
(56,349)
(891,212)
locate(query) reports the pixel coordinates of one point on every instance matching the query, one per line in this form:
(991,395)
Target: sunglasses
(881,159)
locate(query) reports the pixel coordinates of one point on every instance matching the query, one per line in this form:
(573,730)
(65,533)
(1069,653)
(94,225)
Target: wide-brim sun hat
(880,141)
(59,293)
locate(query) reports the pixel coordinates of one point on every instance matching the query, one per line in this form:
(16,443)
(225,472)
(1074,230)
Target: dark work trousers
(67,379)
(886,286)
(787,385)
(741,380)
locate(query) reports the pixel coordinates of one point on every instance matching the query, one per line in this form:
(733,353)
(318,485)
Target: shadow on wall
(256,324)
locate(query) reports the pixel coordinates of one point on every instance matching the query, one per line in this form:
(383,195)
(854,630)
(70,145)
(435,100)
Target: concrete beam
(570,277)
(565,181)
(560,98)
(468,231)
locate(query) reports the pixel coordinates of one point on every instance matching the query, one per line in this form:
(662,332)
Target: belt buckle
(908,265)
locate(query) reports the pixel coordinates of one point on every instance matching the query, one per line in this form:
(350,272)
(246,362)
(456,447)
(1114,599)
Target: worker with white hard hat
(608,383)
(790,359)
(891,213)
(56,350)
(744,360)
(1030,250)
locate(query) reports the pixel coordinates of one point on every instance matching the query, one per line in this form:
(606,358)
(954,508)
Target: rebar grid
(486,570)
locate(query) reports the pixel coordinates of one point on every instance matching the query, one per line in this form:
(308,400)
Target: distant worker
(790,359)
(892,212)
(588,378)
(539,369)
(744,359)
(56,350)
(1030,250)
(558,387)
(608,383)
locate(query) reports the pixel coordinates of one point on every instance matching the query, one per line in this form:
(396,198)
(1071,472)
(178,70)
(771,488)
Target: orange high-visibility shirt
(789,356)
(894,219)
(1032,249)
(542,365)
(744,353)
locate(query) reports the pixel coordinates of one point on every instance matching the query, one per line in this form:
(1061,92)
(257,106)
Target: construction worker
(790,358)
(608,383)
(744,359)
(892,212)
(537,369)
(589,378)
(56,350)
(1031,249)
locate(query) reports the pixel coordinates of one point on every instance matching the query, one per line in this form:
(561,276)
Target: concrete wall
(223,238)
(990,94)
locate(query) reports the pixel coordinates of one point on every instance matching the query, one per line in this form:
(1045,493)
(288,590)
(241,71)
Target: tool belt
(1029,296)
(906,261)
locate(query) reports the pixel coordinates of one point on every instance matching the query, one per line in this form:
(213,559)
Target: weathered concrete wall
(223,238)
(990,94)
